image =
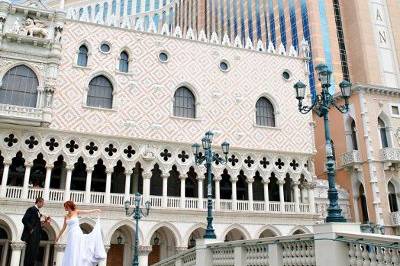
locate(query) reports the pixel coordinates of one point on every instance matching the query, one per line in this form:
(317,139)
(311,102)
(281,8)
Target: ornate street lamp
(321,105)
(209,157)
(138,213)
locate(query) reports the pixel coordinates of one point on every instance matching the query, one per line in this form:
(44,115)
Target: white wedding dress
(83,249)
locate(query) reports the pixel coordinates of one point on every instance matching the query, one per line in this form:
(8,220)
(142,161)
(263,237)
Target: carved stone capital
(281,182)
(249,180)
(144,250)
(17,245)
(146,175)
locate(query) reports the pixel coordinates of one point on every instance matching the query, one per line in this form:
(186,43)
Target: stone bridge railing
(331,244)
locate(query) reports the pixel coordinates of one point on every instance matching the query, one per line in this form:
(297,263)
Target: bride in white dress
(82,249)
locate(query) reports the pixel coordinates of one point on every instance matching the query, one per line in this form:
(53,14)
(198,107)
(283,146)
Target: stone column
(311,196)
(89,172)
(146,185)
(217,180)
(250,192)
(3,256)
(46,254)
(281,196)
(108,186)
(164,190)
(16,252)
(104,262)
(128,174)
(144,252)
(47,182)
(183,191)
(68,182)
(59,253)
(303,193)
(266,193)
(200,180)
(28,167)
(234,193)
(4,179)
(296,196)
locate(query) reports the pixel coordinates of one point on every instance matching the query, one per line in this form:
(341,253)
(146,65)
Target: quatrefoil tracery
(52,144)
(10,140)
(31,142)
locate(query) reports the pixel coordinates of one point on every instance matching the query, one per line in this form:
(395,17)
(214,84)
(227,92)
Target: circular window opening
(163,56)
(286,75)
(224,66)
(105,48)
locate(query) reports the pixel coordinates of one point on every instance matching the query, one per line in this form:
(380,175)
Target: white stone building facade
(95,113)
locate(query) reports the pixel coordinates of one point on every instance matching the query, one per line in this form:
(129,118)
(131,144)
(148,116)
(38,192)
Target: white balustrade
(289,207)
(56,195)
(205,204)
(191,203)
(77,196)
(259,206)
(97,197)
(304,207)
(34,193)
(173,202)
(156,201)
(222,256)
(242,205)
(256,254)
(274,206)
(189,259)
(226,205)
(295,253)
(117,199)
(13,192)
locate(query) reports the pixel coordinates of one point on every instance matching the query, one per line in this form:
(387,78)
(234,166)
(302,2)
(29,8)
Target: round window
(105,48)
(286,75)
(223,65)
(163,56)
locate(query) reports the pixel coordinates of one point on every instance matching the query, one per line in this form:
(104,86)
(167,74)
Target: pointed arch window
(83,56)
(184,103)
(19,87)
(124,62)
(354,135)
(383,133)
(100,93)
(392,198)
(265,113)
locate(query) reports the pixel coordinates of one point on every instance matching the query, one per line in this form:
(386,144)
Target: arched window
(184,103)
(383,133)
(362,204)
(124,62)
(100,92)
(19,87)
(354,135)
(83,56)
(265,114)
(392,198)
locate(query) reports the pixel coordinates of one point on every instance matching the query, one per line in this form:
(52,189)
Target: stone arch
(270,228)
(299,228)
(167,225)
(191,230)
(10,226)
(87,223)
(196,94)
(27,64)
(129,223)
(238,227)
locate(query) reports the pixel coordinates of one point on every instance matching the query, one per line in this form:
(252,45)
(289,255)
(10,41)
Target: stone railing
(395,218)
(332,244)
(350,158)
(118,199)
(390,154)
(32,115)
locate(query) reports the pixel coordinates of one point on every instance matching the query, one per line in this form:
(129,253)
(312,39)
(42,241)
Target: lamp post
(321,104)
(138,213)
(209,157)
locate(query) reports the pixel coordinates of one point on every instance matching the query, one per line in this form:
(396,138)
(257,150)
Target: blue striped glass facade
(243,32)
(250,19)
(258,19)
(282,25)
(138,6)
(272,22)
(228,17)
(235,17)
(293,24)
(221,4)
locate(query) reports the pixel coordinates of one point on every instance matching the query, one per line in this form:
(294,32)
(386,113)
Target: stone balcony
(390,155)
(350,159)
(24,115)
(157,202)
(395,218)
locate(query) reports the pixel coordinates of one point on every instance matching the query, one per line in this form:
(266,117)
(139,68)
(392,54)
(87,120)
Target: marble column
(3,256)
(250,192)
(146,185)
(144,252)
(4,179)
(89,172)
(266,193)
(47,182)
(59,253)
(68,182)
(234,193)
(108,186)
(281,195)
(217,180)
(200,192)
(46,254)
(128,174)
(183,191)
(25,187)
(296,195)
(311,200)
(164,190)
(104,262)
(16,251)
